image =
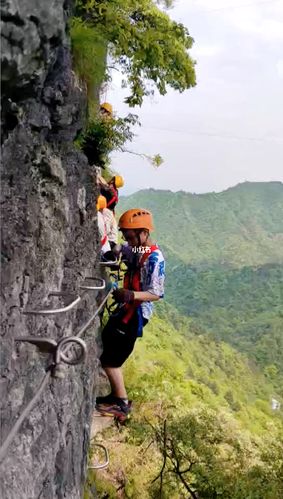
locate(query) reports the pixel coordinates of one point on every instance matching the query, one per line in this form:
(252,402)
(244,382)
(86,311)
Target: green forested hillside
(215,408)
(240,226)
(224,257)
(203,376)
(240,306)
(173,364)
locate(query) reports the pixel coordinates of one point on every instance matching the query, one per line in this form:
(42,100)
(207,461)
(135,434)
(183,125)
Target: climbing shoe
(110,399)
(120,411)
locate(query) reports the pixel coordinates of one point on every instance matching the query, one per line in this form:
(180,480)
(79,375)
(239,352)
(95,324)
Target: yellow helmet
(119,181)
(101,203)
(107,107)
(137,218)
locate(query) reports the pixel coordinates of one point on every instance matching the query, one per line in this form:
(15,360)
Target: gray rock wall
(49,242)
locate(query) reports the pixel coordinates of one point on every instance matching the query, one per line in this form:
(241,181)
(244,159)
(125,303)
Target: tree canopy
(205,455)
(150,49)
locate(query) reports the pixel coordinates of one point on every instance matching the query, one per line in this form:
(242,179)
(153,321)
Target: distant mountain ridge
(237,227)
(224,257)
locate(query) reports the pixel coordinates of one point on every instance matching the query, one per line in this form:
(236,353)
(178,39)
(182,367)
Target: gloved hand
(123,295)
(108,256)
(116,248)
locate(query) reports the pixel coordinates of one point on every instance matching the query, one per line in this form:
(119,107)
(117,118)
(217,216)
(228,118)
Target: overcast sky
(227,129)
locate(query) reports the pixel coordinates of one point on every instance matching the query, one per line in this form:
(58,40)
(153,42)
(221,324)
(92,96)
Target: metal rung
(103,465)
(102,285)
(46,345)
(50,343)
(47,311)
(58,349)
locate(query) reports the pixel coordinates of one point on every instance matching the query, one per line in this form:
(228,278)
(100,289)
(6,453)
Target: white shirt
(111,225)
(152,275)
(102,233)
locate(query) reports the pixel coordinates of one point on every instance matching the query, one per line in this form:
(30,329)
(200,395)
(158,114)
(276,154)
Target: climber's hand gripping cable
(123,295)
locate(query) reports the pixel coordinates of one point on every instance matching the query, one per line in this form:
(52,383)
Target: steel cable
(11,435)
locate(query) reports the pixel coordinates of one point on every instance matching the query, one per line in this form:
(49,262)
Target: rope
(11,435)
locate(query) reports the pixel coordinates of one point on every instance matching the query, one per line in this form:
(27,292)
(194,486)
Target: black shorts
(118,340)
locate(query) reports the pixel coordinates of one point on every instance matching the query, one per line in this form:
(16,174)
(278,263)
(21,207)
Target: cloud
(207,50)
(279,67)
(206,135)
(262,18)
(267,29)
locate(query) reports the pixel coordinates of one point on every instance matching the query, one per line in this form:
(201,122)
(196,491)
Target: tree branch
(187,487)
(162,436)
(180,473)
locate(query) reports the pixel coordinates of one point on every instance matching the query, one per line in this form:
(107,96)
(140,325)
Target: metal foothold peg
(101,284)
(103,465)
(60,310)
(44,345)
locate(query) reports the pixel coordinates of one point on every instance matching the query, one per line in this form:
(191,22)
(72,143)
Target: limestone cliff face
(49,242)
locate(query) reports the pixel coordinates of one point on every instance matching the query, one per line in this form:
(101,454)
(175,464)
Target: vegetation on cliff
(149,48)
(199,406)
(141,41)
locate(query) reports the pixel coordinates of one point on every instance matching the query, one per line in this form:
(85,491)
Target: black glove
(108,257)
(123,295)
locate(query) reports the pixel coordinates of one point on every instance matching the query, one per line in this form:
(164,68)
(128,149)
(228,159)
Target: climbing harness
(113,199)
(111,195)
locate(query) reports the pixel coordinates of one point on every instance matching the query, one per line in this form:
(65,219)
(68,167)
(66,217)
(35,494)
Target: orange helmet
(137,218)
(101,203)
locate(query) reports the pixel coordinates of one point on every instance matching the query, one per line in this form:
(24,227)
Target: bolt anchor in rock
(59,350)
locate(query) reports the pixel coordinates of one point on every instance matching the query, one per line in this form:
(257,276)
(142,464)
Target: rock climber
(106,110)
(110,190)
(103,229)
(143,284)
